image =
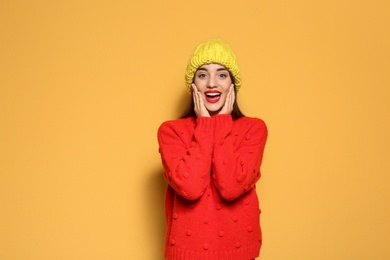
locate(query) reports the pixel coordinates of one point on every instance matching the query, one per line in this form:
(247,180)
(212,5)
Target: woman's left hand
(228,106)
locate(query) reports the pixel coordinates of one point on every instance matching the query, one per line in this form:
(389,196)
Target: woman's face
(213,81)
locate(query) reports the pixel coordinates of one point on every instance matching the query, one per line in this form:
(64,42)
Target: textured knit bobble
(217,51)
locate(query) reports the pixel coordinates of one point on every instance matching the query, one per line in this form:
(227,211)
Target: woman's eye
(201,75)
(223,75)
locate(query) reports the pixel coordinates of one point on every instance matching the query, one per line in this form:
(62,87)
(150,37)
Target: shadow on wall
(154,194)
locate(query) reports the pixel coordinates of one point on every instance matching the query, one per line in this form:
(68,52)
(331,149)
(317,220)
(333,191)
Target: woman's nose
(212,83)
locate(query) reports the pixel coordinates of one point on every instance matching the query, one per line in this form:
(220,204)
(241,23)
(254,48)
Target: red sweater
(211,205)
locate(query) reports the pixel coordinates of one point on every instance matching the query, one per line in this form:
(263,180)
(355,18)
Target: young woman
(211,160)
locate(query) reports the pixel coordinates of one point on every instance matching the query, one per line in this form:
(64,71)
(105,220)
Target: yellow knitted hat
(214,50)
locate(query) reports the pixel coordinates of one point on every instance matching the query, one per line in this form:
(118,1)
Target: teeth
(213,94)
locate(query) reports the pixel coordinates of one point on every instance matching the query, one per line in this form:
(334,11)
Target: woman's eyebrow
(219,69)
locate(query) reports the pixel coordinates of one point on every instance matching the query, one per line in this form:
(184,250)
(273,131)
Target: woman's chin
(214,110)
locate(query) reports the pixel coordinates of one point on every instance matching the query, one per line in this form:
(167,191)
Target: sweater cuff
(204,126)
(223,125)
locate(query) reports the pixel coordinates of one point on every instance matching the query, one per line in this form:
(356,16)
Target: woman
(211,160)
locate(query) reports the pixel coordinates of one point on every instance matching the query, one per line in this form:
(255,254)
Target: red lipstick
(212,96)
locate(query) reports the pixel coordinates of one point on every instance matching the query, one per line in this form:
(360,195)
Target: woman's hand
(199,107)
(228,106)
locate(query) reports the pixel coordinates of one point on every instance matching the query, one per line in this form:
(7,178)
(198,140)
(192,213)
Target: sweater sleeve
(187,164)
(237,155)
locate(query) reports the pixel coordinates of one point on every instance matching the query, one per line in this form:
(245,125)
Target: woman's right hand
(199,107)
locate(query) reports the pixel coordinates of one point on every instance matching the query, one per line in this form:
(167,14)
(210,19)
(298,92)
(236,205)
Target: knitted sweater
(211,206)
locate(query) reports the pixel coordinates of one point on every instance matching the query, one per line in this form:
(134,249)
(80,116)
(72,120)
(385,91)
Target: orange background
(84,86)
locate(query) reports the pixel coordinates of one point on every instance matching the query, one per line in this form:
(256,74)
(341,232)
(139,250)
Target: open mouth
(212,96)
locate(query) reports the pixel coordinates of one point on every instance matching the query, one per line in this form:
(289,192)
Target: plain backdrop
(84,86)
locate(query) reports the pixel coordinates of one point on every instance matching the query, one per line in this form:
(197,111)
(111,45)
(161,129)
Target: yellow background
(84,86)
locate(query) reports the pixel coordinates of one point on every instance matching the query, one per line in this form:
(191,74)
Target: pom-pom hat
(214,50)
